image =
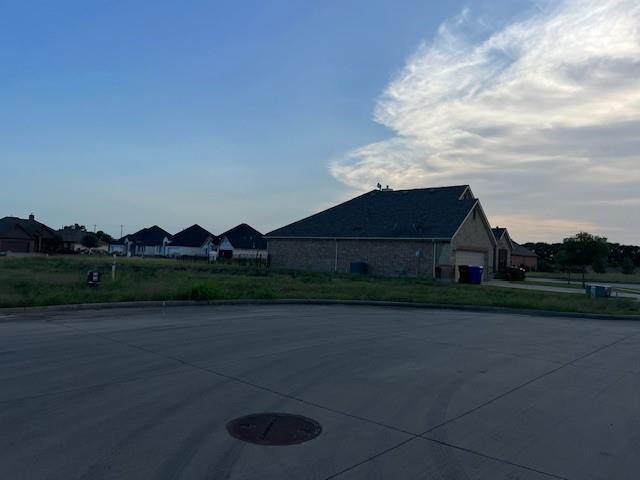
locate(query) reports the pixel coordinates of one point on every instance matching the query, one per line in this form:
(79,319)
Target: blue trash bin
(475,274)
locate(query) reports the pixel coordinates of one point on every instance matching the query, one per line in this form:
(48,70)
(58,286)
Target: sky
(220,112)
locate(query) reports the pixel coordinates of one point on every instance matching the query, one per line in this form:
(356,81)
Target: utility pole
(94,228)
(121,230)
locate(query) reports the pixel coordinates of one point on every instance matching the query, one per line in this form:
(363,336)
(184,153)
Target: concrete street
(400,394)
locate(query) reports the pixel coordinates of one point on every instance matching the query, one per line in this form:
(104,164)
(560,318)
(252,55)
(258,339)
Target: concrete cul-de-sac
(399,393)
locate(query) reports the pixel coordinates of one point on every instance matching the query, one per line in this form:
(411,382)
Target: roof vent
(32,217)
(387,189)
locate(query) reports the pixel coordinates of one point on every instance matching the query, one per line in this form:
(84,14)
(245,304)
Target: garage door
(465,257)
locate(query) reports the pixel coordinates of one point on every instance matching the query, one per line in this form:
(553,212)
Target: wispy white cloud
(549,104)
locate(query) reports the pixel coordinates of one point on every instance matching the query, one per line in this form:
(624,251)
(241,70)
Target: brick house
(425,232)
(21,235)
(523,257)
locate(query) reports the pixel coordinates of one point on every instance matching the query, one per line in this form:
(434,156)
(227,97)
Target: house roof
(498,232)
(76,235)
(194,236)
(246,237)
(522,251)
(12,230)
(148,236)
(429,213)
(32,228)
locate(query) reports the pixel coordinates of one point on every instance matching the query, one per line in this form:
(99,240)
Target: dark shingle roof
(419,213)
(522,251)
(148,236)
(33,228)
(9,229)
(246,237)
(194,236)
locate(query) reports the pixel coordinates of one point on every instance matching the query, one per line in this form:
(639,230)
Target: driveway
(399,393)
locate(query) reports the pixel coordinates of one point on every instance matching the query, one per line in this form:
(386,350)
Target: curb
(52,309)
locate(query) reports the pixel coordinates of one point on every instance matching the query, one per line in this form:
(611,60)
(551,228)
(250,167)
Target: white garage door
(465,257)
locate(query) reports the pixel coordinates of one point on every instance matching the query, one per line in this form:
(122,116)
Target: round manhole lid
(274,429)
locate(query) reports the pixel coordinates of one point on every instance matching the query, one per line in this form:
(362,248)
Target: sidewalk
(545,288)
(635,287)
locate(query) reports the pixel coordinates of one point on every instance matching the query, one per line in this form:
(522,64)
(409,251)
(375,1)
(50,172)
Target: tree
(105,237)
(628,267)
(90,241)
(599,265)
(583,250)
(76,226)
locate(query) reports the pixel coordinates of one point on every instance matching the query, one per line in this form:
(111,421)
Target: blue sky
(174,113)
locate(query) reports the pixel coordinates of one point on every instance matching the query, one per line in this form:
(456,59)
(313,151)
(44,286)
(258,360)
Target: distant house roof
(429,213)
(76,235)
(521,251)
(30,226)
(147,236)
(498,232)
(245,237)
(194,236)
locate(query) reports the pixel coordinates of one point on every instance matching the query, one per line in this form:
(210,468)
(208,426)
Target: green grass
(61,280)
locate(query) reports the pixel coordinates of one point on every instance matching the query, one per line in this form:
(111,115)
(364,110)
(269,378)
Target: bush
(628,267)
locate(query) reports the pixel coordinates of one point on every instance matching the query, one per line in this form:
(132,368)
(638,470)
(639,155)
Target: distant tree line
(583,251)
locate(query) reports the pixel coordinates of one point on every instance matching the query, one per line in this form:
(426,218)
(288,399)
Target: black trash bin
(464,276)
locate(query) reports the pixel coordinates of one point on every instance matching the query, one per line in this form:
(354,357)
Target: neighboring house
(194,241)
(523,257)
(73,240)
(148,242)
(118,247)
(242,241)
(504,247)
(426,232)
(19,235)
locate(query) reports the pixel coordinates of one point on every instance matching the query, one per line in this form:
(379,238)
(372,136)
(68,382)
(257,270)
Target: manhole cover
(274,429)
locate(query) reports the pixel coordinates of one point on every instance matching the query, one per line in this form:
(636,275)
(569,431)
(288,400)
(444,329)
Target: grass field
(62,280)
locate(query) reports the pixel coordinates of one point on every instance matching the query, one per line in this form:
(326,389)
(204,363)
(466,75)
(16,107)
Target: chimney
(32,217)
